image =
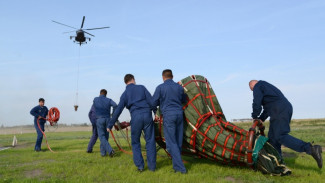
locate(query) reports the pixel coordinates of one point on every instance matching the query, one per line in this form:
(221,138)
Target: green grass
(71,163)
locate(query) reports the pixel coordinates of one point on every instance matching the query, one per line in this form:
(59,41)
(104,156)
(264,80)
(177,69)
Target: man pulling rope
(41,115)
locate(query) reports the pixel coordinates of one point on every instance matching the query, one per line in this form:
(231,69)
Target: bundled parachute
(207,134)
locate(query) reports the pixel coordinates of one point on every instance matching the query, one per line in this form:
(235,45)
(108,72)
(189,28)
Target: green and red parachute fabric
(207,133)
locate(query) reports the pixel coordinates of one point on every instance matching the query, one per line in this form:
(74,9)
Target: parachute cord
(118,145)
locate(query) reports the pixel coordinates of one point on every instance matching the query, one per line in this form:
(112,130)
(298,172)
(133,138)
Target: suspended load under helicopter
(80,37)
(76,107)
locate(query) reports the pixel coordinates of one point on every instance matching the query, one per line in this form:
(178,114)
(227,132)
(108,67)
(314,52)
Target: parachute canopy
(207,133)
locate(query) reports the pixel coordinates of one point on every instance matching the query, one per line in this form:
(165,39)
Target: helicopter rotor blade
(89,33)
(63,24)
(68,32)
(82,24)
(97,28)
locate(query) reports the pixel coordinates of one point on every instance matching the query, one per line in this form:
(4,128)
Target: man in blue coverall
(170,96)
(137,99)
(39,112)
(94,137)
(276,105)
(102,106)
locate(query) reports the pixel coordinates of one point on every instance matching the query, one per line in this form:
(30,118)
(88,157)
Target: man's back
(103,106)
(268,96)
(171,96)
(269,92)
(137,98)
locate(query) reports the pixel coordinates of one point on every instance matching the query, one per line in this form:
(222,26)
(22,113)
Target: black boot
(316,153)
(112,154)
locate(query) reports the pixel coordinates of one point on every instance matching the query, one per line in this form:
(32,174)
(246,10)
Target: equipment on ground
(14,141)
(120,127)
(80,37)
(208,135)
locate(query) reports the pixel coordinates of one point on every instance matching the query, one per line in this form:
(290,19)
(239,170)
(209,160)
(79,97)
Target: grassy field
(71,163)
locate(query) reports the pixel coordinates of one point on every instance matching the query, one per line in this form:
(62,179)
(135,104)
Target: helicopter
(80,37)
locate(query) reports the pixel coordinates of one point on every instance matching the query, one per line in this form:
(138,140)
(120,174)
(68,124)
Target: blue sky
(228,42)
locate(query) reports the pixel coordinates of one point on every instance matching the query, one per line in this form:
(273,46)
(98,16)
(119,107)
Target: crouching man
(279,109)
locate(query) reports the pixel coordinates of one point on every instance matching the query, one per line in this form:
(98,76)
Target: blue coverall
(169,96)
(137,100)
(103,106)
(94,137)
(276,105)
(36,112)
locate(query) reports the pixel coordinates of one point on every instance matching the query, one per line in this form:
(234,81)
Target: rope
(52,117)
(78,65)
(118,146)
(120,127)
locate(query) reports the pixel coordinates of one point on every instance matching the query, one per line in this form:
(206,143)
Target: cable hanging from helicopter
(80,39)
(78,65)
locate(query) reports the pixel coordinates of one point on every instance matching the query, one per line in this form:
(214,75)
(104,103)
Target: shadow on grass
(289,155)
(291,160)
(309,168)
(191,161)
(164,160)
